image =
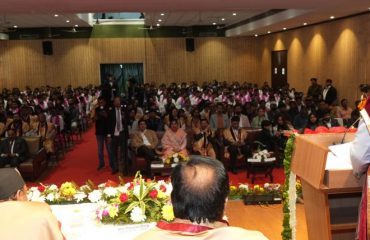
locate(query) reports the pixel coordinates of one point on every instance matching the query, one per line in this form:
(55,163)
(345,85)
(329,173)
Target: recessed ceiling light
(67,21)
(158,24)
(162,14)
(268,32)
(369,8)
(234,14)
(304,24)
(15,26)
(159,20)
(76,25)
(332,17)
(256,35)
(284,29)
(222,19)
(214,23)
(56,15)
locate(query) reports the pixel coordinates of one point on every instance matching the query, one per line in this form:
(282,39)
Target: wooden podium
(332,196)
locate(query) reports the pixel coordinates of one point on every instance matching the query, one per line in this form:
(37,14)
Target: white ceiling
(40,13)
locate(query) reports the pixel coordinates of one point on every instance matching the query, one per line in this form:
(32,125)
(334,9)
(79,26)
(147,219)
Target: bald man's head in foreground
(200,189)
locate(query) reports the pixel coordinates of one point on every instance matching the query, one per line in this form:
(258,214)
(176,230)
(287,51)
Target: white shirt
(145,139)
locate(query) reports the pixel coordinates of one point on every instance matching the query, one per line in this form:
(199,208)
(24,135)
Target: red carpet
(80,163)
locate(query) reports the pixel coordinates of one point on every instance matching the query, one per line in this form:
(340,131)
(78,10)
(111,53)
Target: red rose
(163,188)
(153,194)
(123,197)
(41,188)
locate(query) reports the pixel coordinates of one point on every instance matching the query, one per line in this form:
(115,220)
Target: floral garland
(289,194)
(175,158)
(237,192)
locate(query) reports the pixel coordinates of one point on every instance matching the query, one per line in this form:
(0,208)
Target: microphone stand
(345,133)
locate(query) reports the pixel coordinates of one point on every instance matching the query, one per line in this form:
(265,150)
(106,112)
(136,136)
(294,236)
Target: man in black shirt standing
(101,131)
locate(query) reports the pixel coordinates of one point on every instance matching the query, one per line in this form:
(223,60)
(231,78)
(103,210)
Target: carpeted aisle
(80,163)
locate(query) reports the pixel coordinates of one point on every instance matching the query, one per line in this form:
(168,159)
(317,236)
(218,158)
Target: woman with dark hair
(280,126)
(313,122)
(174,140)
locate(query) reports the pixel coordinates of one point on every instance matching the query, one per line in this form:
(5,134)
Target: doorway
(123,73)
(279,69)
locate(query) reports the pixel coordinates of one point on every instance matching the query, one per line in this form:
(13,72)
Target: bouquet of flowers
(176,158)
(237,192)
(68,192)
(137,202)
(261,155)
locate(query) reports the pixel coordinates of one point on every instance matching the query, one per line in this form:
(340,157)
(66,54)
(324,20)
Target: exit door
(279,69)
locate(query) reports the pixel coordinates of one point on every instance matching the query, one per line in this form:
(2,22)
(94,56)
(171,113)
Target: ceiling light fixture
(268,32)
(76,25)
(332,17)
(284,29)
(162,14)
(159,20)
(304,24)
(67,21)
(56,15)
(256,35)
(15,26)
(222,19)
(158,24)
(234,14)
(214,23)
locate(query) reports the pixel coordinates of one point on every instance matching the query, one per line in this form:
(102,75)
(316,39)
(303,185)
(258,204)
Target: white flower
(53,187)
(137,215)
(122,189)
(266,185)
(175,155)
(127,185)
(101,185)
(79,196)
(95,196)
(50,197)
(110,191)
(244,186)
(175,159)
(36,196)
(136,190)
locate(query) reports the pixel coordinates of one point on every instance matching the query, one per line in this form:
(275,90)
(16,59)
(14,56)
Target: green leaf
(131,206)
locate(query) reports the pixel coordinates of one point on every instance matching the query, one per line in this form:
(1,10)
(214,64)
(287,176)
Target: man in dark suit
(116,135)
(13,150)
(101,130)
(109,89)
(329,94)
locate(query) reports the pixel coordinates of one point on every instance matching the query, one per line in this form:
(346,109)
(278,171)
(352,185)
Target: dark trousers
(101,140)
(234,151)
(149,155)
(117,147)
(13,161)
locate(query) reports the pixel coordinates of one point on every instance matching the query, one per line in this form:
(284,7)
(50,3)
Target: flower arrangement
(237,192)
(141,201)
(176,158)
(261,155)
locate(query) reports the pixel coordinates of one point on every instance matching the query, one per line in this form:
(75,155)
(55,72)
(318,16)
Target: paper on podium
(339,157)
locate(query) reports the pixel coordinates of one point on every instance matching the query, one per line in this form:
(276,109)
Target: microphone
(345,133)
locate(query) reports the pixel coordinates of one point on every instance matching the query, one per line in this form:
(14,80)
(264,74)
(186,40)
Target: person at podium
(360,157)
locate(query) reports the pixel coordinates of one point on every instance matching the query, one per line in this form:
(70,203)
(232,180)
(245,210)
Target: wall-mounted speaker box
(47,47)
(190,46)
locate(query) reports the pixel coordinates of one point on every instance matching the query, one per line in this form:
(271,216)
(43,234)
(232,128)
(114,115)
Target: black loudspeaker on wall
(190,46)
(47,47)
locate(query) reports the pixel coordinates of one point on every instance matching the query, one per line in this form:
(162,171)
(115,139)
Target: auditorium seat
(36,163)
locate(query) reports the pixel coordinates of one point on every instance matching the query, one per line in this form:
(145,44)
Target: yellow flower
(167,213)
(68,189)
(112,211)
(161,194)
(233,188)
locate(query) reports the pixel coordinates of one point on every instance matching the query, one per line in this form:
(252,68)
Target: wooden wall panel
(338,50)
(77,61)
